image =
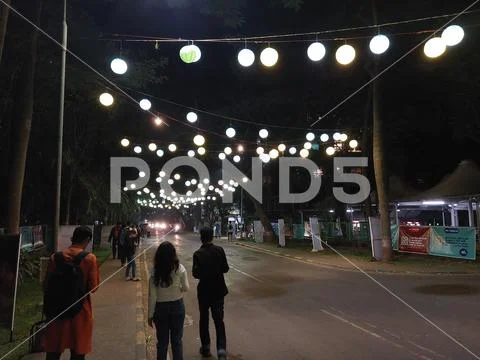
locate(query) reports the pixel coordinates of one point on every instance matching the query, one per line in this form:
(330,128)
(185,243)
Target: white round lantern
(260,150)
(160,153)
(353,144)
(106,99)
(145,104)
(192,117)
(324,137)
(236,158)
(199,140)
(201,151)
(435,47)
(137,149)
(292,150)
(304,153)
(246,57)
(316,51)
(453,35)
(310,136)
(343,137)
(228,150)
(274,153)
(263,133)
(177,177)
(152,147)
(191,153)
(190,54)
(337,136)
(265,158)
(345,54)
(330,151)
(125,142)
(269,57)
(307,146)
(282,148)
(158,121)
(172,147)
(231,132)
(222,156)
(119,66)
(379,44)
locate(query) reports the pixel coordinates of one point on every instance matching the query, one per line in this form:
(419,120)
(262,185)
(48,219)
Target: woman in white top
(166,310)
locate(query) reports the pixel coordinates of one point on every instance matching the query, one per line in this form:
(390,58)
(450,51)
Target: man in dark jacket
(209,265)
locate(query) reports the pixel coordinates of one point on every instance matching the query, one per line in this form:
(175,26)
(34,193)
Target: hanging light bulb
(201,151)
(145,104)
(119,66)
(199,140)
(125,142)
(172,147)
(263,133)
(106,99)
(231,132)
(345,54)
(246,57)
(343,137)
(191,153)
(292,150)
(177,177)
(158,121)
(240,148)
(222,156)
(269,57)
(435,47)
(190,54)
(379,44)
(192,117)
(353,144)
(274,153)
(260,150)
(160,153)
(265,158)
(337,136)
(330,151)
(307,145)
(236,158)
(227,150)
(137,149)
(316,51)
(304,153)
(152,147)
(282,148)
(453,35)
(324,137)
(310,136)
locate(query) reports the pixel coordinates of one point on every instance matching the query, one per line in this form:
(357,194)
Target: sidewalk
(119,330)
(415,266)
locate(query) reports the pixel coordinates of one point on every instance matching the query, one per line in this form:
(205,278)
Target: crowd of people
(73,275)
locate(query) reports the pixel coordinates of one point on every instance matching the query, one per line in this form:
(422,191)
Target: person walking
(121,245)
(130,248)
(72,273)
(168,283)
(209,266)
(230,232)
(114,238)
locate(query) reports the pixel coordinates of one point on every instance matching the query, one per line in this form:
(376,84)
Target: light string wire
(91,292)
(312,33)
(381,73)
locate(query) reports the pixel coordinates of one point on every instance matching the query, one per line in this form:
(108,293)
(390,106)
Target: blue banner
(453,242)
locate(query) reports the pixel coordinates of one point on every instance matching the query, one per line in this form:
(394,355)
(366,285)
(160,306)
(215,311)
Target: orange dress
(75,333)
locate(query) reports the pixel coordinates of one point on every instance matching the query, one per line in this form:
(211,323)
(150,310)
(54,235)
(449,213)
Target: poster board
(453,242)
(375,237)
(414,239)
(281,232)
(315,231)
(65,237)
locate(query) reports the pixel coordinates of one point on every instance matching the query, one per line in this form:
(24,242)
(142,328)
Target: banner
(281,232)
(38,238)
(414,239)
(65,237)
(394,233)
(316,239)
(258,230)
(9,262)
(453,242)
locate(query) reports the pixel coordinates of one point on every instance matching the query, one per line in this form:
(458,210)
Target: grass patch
(102,254)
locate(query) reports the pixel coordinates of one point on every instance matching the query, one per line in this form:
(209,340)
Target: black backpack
(64,287)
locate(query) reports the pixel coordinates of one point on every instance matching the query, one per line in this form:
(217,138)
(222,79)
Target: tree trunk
(380,174)
(366,150)
(23,124)
(4,11)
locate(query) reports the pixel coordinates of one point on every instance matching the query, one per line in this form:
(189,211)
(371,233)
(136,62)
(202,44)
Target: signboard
(65,237)
(316,239)
(394,233)
(9,262)
(281,232)
(414,239)
(453,242)
(376,237)
(258,230)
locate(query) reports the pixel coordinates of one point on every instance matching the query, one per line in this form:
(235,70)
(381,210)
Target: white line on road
(247,275)
(427,349)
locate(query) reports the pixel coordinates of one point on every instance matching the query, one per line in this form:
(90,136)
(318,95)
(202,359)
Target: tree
(4,11)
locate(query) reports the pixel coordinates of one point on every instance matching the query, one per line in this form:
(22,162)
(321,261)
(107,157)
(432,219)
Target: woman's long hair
(166,261)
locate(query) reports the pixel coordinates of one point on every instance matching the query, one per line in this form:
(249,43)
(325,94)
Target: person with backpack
(114,238)
(121,244)
(168,283)
(72,275)
(129,250)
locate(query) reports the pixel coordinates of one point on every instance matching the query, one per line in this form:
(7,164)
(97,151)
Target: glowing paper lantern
(324,138)
(310,136)
(435,47)
(282,148)
(265,158)
(345,54)
(316,51)
(145,104)
(292,150)
(453,35)
(236,158)
(192,117)
(190,54)
(343,137)
(152,147)
(227,150)
(330,151)
(199,140)
(304,153)
(191,153)
(137,149)
(246,57)
(379,44)
(177,177)
(353,144)
(160,153)
(106,99)
(307,146)
(231,132)
(125,142)
(263,133)
(260,150)
(201,151)
(119,66)
(337,136)
(274,153)
(222,156)
(172,147)
(269,57)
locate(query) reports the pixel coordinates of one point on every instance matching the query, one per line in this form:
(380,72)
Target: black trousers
(56,356)
(114,248)
(216,306)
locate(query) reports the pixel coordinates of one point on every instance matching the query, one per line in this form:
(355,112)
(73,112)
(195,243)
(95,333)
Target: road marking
(247,275)
(371,325)
(427,349)
(392,334)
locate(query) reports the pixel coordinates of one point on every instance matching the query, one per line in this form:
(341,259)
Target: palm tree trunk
(380,173)
(4,11)
(21,133)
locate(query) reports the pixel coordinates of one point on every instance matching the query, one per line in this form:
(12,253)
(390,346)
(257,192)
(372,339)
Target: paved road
(280,308)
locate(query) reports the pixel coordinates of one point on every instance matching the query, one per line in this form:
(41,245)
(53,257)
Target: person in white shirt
(168,283)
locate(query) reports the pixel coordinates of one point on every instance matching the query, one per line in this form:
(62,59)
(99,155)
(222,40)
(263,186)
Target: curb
(345,268)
